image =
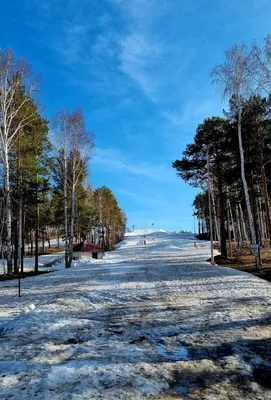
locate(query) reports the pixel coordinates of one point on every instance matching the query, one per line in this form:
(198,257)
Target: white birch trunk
(215,215)
(267,206)
(72,223)
(261,224)
(20,236)
(238,224)
(232,222)
(243,176)
(3,224)
(244,229)
(8,212)
(65,184)
(229,227)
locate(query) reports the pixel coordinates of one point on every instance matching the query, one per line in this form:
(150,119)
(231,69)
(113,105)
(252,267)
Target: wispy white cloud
(73,31)
(138,57)
(119,62)
(116,61)
(142,52)
(113,160)
(142,200)
(147,53)
(193,112)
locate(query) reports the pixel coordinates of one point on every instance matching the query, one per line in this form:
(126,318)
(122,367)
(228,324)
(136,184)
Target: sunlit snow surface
(148,321)
(29,262)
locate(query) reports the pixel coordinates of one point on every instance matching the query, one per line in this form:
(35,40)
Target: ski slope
(149,321)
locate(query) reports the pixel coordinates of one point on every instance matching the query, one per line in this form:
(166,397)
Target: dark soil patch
(48,250)
(211,353)
(243,260)
(262,375)
(72,341)
(116,331)
(139,340)
(266,275)
(260,347)
(22,276)
(225,261)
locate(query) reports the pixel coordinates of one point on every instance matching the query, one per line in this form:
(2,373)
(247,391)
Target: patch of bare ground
(243,260)
(23,275)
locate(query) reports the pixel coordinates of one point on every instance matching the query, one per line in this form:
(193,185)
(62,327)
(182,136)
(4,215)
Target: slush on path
(152,320)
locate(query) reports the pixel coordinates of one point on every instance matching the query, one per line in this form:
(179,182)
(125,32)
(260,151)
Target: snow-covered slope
(149,321)
(140,232)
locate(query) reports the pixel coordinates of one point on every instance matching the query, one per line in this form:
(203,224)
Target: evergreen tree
(215,134)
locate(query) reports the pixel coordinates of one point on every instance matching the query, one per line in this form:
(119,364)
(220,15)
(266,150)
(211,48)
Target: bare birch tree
(233,78)
(81,143)
(261,62)
(74,147)
(262,75)
(13,74)
(62,140)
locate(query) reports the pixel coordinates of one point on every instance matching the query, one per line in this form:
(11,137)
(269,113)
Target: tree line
(239,149)
(43,191)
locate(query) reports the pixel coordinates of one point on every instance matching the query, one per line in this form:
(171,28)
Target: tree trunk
(43,241)
(229,227)
(23,240)
(210,208)
(72,223)
(76,220)
(254,208)
(261,224)
(31,243)
(230,218)
(108,237)
(8,213)
(245,235)
(16,240)
(238,224)
(2,227)
(245,186)
(221,216)
(267,205)
(18,223)
(37,217)
(49,236)
(20,235)
(232,222)
(66,214)
(215,214)
(103,238)
(256,220)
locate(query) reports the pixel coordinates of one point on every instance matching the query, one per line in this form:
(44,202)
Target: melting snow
(172,353)
(148,321)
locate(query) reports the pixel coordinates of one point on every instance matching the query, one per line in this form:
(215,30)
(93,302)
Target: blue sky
(140,70)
